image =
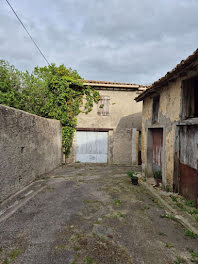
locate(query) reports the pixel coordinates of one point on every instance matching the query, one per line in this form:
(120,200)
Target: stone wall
(29,147)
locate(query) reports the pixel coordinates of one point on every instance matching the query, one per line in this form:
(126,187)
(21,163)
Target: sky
(129,41)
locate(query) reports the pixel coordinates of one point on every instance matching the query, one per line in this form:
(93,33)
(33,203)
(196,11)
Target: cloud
(128,41)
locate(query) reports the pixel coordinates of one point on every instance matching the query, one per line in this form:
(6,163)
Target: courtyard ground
(91,215)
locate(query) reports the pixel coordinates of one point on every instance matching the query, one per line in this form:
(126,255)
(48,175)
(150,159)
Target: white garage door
(92,146)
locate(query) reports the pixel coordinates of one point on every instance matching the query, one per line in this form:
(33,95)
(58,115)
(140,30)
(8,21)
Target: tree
(10,83)
(52,92)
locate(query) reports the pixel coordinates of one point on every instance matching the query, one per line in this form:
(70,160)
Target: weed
(192,212)
(190,234)
(162,234)
(131,173)
(194,255)
(180,205)
(169,245)
(76,248)
(121,214)
(179,260)
(196,218)
(145,208)
(12,256)
(174,199)
(117,202)
(168,216)
(167,188)
(189,203)
(88,260)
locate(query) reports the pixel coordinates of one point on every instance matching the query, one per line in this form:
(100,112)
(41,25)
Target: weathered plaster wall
(29,147)
(169,115)
(124,114)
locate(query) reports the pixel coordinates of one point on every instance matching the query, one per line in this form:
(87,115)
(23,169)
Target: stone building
(170,128)
(110,132)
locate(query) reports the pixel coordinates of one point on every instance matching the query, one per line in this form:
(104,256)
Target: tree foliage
(52,92)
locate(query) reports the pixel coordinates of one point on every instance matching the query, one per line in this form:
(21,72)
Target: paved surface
(90,215)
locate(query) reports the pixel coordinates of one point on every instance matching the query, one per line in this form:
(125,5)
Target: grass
(196,218)
(193,211)
(169,245)
(162,234)
(173,198)
(180,260)
(190,234)
(121,214)
(181,206)
(76,248)
(12,256)
(194,255)
(117,202)
(87,260)
(189,203)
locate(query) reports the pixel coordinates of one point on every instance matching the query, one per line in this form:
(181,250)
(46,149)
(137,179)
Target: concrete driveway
(90,215)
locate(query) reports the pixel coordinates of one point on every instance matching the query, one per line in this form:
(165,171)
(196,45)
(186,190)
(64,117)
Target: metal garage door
(92,146)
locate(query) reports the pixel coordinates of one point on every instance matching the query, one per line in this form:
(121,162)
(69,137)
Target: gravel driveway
(92,215)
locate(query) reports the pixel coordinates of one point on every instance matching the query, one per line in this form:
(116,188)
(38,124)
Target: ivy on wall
(52,92)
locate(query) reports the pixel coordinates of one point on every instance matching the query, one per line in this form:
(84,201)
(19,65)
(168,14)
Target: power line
(28,32)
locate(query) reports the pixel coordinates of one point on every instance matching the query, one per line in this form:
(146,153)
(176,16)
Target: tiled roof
(188,64)
(118,85)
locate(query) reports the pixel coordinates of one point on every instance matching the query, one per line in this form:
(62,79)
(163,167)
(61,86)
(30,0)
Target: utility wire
(27,32)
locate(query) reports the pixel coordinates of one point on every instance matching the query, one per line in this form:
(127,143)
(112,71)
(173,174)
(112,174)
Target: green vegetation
(190,234)
(189,203)
(169,245)
(121,214)
(194,255)
(157,175)
(162,234)
(134,178)
(179,260)
(117,202)
(88,260)
(12,256)
(52,92)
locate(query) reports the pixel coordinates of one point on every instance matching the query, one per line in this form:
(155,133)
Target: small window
(190,98)
(156,101)
(103,106)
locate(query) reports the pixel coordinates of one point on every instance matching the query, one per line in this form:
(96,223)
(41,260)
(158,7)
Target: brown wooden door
(157,135)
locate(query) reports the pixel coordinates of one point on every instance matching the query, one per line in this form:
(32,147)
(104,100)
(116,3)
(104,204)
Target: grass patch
(180,260)
(194,255)
(193,211)
(87,260)
(173,198)
(121,214)
(12,256)
(181,206)
(169,245)
(189,203)
(196,218)
(162,234)
(190,234)
(117,202)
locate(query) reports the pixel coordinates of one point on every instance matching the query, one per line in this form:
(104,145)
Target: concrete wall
(29,147)
(124,115)
(169,115)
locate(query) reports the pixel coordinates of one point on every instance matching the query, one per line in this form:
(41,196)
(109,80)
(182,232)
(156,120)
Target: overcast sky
(134,41)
